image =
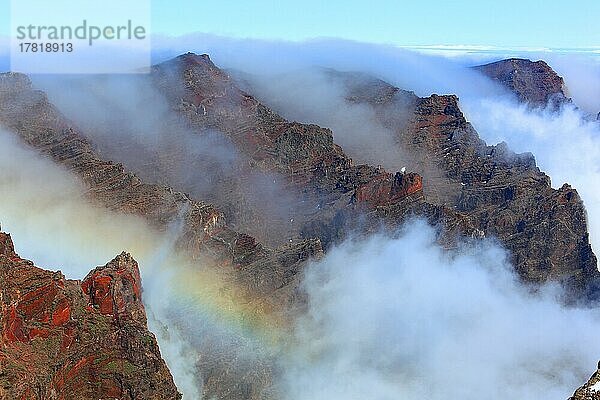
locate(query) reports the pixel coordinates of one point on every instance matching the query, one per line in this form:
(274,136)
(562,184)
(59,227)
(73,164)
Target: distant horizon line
(469,48)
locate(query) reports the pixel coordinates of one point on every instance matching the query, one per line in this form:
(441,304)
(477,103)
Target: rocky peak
(590,390)
(197,58)
(115,289)
(533,82)
(61,338)
(6,245)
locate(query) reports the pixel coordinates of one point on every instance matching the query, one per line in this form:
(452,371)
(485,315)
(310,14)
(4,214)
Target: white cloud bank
(401,317)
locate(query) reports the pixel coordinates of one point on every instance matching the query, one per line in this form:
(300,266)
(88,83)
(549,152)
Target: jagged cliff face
(469,187)
(64,339)
(533,82)
(501,193)
(203,233)
(321,179)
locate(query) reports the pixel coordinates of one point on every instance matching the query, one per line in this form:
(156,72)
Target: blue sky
(508,23)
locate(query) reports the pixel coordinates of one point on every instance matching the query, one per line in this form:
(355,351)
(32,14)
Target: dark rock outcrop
(65,339)
(465,185)
(533,82)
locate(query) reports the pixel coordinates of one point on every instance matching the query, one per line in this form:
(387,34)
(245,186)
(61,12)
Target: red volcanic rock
(533,82)
(115,288)
(13,329)
(62,339)
(62,313)
(407,184)
(389,189)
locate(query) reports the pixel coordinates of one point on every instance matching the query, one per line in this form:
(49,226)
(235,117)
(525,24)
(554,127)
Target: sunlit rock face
(65,339)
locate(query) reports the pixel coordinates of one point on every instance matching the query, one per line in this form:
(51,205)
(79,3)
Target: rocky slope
(590,390)
(468,187)
(64,339)
(203,233)
(324,185)
(533,82)
(267,278)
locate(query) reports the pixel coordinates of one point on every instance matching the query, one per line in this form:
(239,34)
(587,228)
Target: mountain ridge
(468,188)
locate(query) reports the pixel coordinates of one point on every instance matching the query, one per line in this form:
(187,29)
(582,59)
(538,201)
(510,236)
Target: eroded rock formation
(65,339)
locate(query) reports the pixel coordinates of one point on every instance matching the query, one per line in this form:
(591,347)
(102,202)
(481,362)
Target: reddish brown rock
(386,190)
(115,289)
(533,82)
(53,345)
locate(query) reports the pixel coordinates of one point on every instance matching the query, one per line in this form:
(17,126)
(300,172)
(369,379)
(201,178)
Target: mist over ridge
(384,312)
